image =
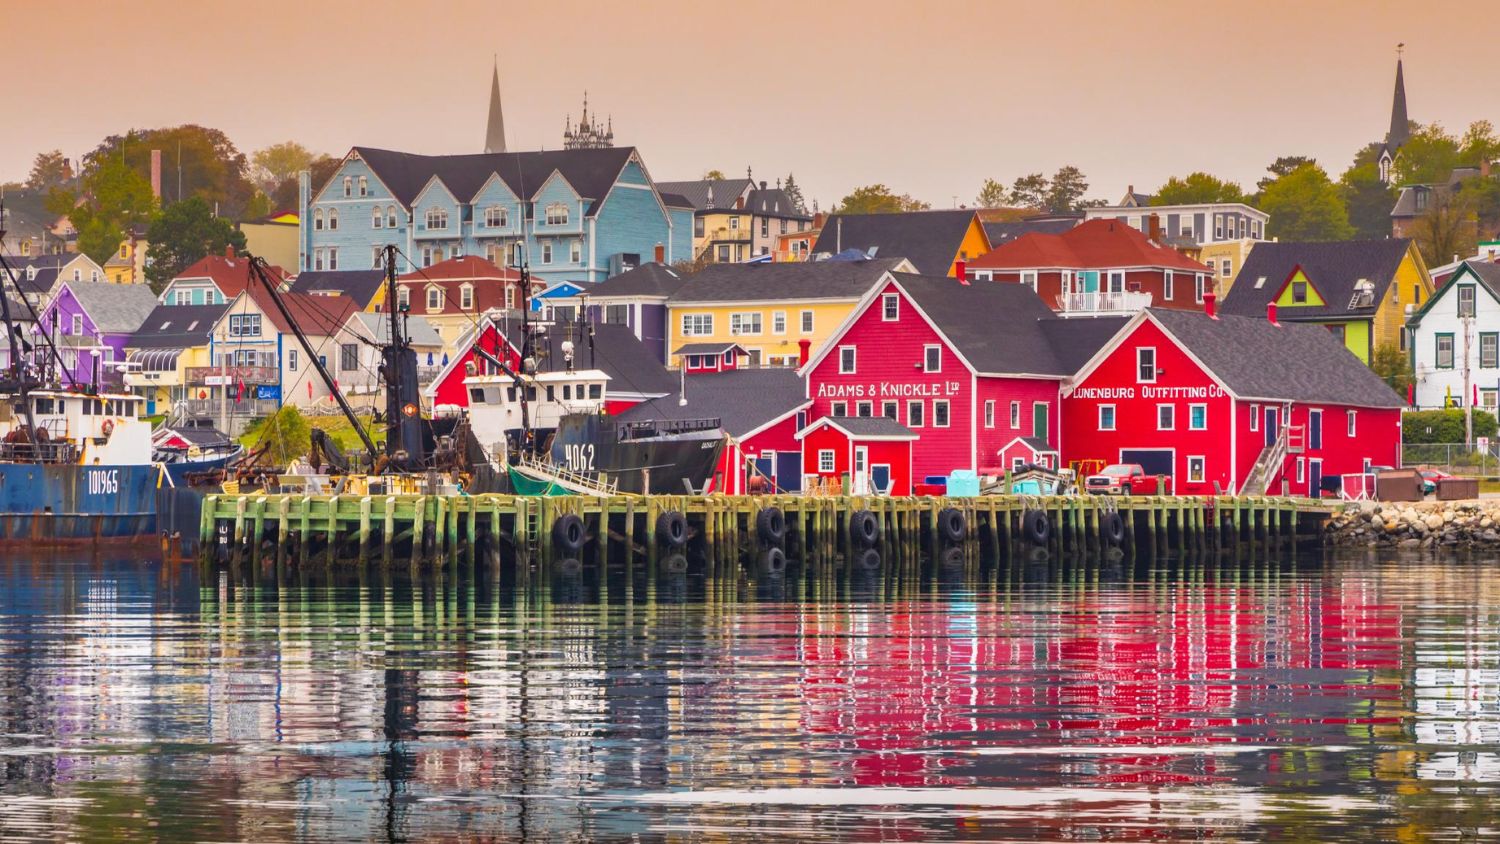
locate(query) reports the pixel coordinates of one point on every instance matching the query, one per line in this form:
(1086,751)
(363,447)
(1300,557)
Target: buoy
(671,529)
(1114,529)
(864,529)
(1036,527)
(568,533)
(770,525)
(951,526)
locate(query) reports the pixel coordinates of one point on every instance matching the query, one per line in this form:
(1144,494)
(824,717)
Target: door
(1090,281)
(1272,415)
(1315,478)
(789,471)
(765,466)
(861,473)
(1039,422)
(880,478)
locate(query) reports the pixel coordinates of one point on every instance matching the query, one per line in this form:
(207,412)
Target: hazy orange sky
(930,98)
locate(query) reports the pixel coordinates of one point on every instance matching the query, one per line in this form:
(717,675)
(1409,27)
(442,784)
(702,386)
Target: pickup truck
(1122,479)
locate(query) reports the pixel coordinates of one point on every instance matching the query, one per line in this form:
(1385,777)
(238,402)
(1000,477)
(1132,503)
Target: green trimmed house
(1455,340)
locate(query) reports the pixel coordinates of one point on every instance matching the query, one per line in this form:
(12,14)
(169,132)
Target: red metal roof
(229,272)
(467,268)
(1094,245)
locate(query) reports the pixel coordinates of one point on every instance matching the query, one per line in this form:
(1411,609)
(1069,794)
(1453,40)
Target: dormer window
(434,299)
(1299,292)
(466,297)
(348,186)
(1421,198)
(557,214)
(437,218)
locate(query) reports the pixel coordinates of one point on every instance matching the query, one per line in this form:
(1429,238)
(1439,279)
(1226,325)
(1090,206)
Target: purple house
(637,298)
(87,317)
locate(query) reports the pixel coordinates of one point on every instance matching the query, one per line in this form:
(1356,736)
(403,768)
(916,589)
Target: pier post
(364,528)
(304,530)
(388,532)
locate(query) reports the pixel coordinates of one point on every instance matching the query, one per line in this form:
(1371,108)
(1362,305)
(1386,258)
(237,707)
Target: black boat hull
(652,462)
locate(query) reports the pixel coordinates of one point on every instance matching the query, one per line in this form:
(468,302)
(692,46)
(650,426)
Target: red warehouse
(1230,403)
(965,368)
(1098,267)
(873,453)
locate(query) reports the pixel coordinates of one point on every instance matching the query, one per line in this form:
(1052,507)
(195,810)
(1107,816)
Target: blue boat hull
(54,503)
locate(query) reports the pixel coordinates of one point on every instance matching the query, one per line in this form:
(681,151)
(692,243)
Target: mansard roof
(591,172)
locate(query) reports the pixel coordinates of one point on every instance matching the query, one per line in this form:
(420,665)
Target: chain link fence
(1459,458)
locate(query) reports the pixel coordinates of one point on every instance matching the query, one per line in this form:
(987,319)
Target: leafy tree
(1479,144)
(285,193)
(715,174)
(1031,190)
(112,199)
(1305,205)
(878,199)
(258,206)
(1447,229)
(279,162)
(1443,426)
(1280,167)
(1428,157)
(1394,366)
(1067,190)
(1367,199)
(196,161)
(1197,188)
(794,194)
(287,433)
(185,232)
(992,195)
(49,170)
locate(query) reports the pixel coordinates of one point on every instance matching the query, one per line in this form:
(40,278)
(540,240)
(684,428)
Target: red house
(874,452)
(710,357)
(966,368)
(1231,404)
(1101,266)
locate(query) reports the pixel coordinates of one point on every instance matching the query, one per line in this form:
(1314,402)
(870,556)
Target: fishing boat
(192,448)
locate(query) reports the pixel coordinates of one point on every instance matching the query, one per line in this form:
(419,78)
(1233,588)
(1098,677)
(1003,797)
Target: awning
(155,360)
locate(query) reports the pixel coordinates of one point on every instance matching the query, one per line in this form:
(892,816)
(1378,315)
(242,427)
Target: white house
(359,353)
(1455,340)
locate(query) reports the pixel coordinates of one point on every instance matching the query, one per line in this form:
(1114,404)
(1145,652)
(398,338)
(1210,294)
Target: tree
(1281,167)
(1479,144)
(1367,199)
(185,232)
(715,174)
(1305,205)
(279,162)
(196,161)
(1392,364)
(1030,191)
(111,200)
(794,194)
(49,170)
(1195,188)
(878,199)
(286,434)
(285,193)
(1067,190)
(992,194)
(1447,229)
(1443,426)
(1428,157)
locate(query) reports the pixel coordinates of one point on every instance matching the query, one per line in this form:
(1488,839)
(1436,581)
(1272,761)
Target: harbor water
(1309,698)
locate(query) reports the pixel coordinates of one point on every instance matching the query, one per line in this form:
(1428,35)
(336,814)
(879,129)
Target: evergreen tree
(794,194)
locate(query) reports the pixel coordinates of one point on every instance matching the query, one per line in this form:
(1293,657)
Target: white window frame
(778,322)
(575,251)
(546,251)
(377,218)
(849,365)
(840,409)
(1254,417)
(557,214)
(432,292)
(348,186)
(1114,417)
(1139,352)
(1028,278)
(333,257)
(807,321)
(1196,406)
(947,413)
(1015,416)
(745,324)
(1202,469)
(1167,286)
(317,219)
(1302,470)
(927,354)
(890,307)
(827,461)
(436,219)
(1353,423)
(466,297)
(496,217)
(364,186)
(919,419)
(989,413)
(697,325)
(864,409)
(1171,410)
(333,219)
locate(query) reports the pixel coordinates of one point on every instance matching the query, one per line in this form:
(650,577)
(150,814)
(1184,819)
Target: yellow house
(768,309)
(274,237)
(934,241)
(172,340)
(1226,257)
(128,264)
(1362,291)
(736,220)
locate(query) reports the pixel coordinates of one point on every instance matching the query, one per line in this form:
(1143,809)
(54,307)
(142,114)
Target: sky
(930,98)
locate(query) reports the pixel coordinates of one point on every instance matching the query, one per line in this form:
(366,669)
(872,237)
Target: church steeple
(1400,131)
(494,133)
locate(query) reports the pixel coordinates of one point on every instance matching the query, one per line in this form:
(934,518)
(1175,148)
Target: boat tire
(570,567)
(864,529)
(568,533)
(867,559)
(672,529)
(1114,529)
(773,561)
(951,525)
(1036,527)
(770,525)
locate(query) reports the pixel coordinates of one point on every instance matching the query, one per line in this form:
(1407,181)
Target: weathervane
(1399,47)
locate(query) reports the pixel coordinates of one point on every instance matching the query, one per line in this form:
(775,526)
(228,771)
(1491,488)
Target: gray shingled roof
(177,326)
(929,239)
(114,308)
(773,202)
(871,426)
(1286,362)
(742,399)
(706,348)
(1333,268)
(359,285)
(725,191)
(1005,328)
(591,172)
(999,233)
(417,328)
(1487,272)
(651,279)
(773,281)
(631,366)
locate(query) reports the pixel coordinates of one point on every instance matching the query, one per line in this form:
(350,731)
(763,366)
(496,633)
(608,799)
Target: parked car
(1430,477)
(1123,479)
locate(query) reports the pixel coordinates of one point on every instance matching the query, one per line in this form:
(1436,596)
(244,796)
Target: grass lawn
(338,428)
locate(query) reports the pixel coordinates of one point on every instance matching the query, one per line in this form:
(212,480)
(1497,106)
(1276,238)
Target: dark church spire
(1400,129)
(494,133)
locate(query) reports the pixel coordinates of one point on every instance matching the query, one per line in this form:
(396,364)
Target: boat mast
(16,368)
(258,270)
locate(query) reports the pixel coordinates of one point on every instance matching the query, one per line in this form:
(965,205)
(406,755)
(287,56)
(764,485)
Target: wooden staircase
(1290,439)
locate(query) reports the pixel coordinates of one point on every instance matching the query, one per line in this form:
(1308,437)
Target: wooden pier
(430,529)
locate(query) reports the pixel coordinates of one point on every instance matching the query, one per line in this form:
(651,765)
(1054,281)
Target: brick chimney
(661,254)
(1153,227)
(818,219)
(1210,304)
(804,346)
(156,173)
(1271,313)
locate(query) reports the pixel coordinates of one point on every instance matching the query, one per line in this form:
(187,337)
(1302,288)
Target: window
(434,299)
(1195,469)
(364,186)
(376,254)
(557,214)
(1145,365)
(1445,351)
(348,186)
(244,325)
(377,218)
(890,410)
(182,297)
(124,250)
(546,251)
(914,413)
(1187,225)
(318,258)
(807,322)
(989,413)
(1218,227)
(825,460)
(333,257)
(939,413)
(932,358)
(437,218)
(744,323)
(333,219)
(1299,292)
(575,251)
(292,359)
(723,254)
(1351,423)
(466,297)
(77,324)
(1015,414)
(1416,294)
(734,224)
(698,227)
(1198,286)
(1225,267)
(1106,417)
(348,357)
(840,408)
(697,325)
(1255,417)
(496,217)
(403,298)
(1466,300)
(778,322)
(1302,470)
(1167,286)
(846,360)
(765,227)
(890,307)
(1028,278)
(1166,417)
(864,409)
(1197,417)
(317,219)
(390,216)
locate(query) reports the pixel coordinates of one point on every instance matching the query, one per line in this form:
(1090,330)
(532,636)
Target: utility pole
(1468,398)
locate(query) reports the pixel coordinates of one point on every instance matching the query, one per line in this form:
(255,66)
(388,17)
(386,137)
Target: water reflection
(1040,699)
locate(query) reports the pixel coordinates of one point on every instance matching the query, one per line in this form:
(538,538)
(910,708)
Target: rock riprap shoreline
(1423,524)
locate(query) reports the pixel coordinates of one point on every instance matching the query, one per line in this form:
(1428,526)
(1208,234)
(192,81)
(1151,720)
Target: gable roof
(773,202)
(114,308)
(360,285)
(1005,231)
(774,281)
(229,273)
(929,239)
(591,172)
(317,315)
(651,279)
(744,400)
(863,427)
(1094,244)
(1332,267)
(1287,362)
(1486,273)
(418,329)
(177,326)
(696,193)
(465,268)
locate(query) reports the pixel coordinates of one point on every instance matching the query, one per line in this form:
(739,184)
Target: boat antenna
(259,272)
